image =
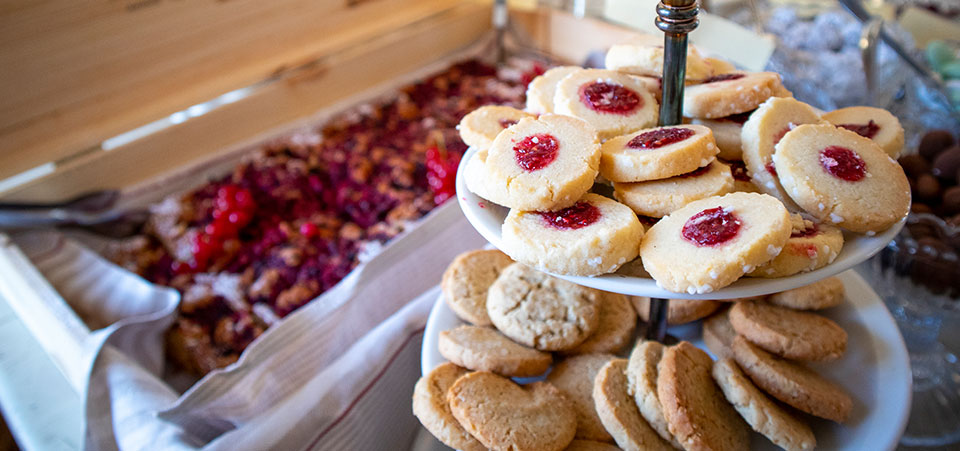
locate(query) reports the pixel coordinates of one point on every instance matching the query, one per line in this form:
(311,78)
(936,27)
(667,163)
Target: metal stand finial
(676,18)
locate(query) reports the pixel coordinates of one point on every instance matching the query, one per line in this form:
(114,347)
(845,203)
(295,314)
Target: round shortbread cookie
(726,132)
(504,415)
(612,102)
(657,153)
(541,89)
(718,334)
(640,59)
(698,415)
(789,333)
(679,311)
(762,414)
(595,236)
(590,445)
(642,383)
(618,411)
(811,246)
(742,183)
(842,178)
(819,295)
(710,243)
(617,322)
(792,383)
(542,311)
(542,164)
(762,131)
(658,198)
(574,376)
(485,349)
(719,66)
(874,123)
(731,93)
(431,408)
(465,282)
(481,126)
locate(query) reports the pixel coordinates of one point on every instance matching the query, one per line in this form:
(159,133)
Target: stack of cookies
(524,323)
(682,201)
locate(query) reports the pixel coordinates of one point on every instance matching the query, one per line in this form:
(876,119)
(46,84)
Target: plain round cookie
(819,295)
(679,311)
(465,282)
(698,415)
(542,311)
(811,246)
(541,89)
(763,415)
(574,376)
(792,383)
(762,131)
(431,408)
(481,126)
(842,178)
(485,349)
(596,235)
(731,93)
(642,383)
(617,322)
(477,178)
(658,198)
(542,164)
(657,153)
(618,411)
(789,333)
(718,334)
(715,251)
(612,102)
(504,415)
(639,59)
(726,132)
(874,123)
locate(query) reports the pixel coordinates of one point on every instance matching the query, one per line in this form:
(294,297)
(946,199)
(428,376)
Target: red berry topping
(659,138)
(739,171)
(711,227)
(738,118)
(843,163)
(723,77)
(506,123)
(780,135)
(696,172)
(610,98)
(442,174)
(771,168)
(308,229)
(868,130)
(809,231)
(578,216)
(536,152)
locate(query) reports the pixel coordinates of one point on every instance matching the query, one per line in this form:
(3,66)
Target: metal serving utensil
(96,212)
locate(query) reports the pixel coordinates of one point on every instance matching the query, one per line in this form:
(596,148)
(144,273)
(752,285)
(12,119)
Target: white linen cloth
(336,374)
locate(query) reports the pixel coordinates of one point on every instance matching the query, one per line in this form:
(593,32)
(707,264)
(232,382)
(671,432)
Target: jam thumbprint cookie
(613,102)
(732,93)
(481,126)
(658,198)
(874,123)
(657,153)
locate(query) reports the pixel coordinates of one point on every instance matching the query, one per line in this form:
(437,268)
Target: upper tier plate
(488,217)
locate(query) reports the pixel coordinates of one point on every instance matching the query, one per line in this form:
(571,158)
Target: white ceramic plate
(875,370)
(488,217)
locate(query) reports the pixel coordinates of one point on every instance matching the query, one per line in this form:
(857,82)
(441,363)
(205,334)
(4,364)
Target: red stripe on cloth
(316,441)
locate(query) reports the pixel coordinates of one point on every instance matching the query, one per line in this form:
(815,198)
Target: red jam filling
(696,172)
(810,231)
(843,163)
(723,77)
(578,216)
(780,135)
(610,98)
(739,171)
(536,152)
(738,118)
(771,168)
(711,227)
(507,123)
(868,130)
(659,138)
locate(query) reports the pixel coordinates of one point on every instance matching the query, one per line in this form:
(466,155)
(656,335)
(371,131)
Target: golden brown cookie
(574,376)
(542,311)
(792,383)
(641,59)
(485,349)
(731,93)
(617,322)
(789,333)
(612,102)
(698,415)
(811,246)
(679,311)
(481,126)
(431,408)
(762,414)
(657,153)
(658,198)
(590,445)
(874,123)
(718,334)
(819,295)
(642,383)
(466,280)
(541,89)
(618,412)
(504,415)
